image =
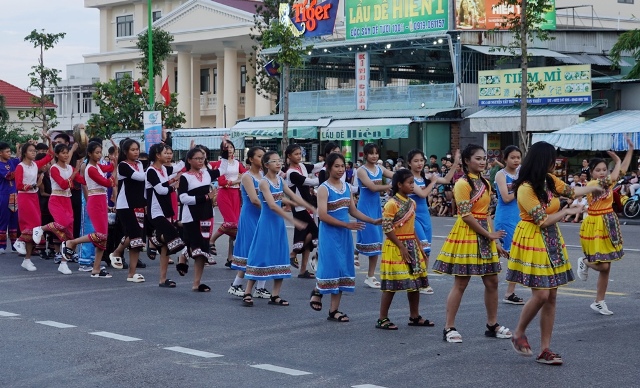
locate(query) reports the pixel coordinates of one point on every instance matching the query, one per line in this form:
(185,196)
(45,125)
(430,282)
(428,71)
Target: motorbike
(631,208)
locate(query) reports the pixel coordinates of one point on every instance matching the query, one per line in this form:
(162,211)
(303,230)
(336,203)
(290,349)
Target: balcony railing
(208,102)
(380,98)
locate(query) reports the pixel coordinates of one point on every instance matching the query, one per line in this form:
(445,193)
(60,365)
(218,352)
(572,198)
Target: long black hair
(124,149)
(291,148)
(399,177)
(534,170)
(411,155)
(252,152)
(224,154)
(91,147)
(467,153)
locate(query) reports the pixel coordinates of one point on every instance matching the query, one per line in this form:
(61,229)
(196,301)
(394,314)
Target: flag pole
(152,94)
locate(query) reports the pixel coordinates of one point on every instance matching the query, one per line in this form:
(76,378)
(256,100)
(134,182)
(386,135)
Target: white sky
(19,17)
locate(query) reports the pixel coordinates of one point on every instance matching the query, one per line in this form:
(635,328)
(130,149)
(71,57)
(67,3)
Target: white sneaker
(37,234)
(314,263)
(372,282)
(582,271)
(28,265)
(236,290)
(85,268)
(20,247)
(427,291)
(261,293)
(63,268)
(2,251)
(601,307)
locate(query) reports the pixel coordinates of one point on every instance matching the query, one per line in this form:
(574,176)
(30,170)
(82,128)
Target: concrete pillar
(220,92)
(231,85)
(139,17)
(263,105)
(105,72)
(169,71)
(250,91)
(184,85)
(195,89)
(105,29)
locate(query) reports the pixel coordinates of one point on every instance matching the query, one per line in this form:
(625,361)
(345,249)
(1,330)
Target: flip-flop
(136,278)
(201,288)
(168,284)
(152,253)
(182,268)
(116,261)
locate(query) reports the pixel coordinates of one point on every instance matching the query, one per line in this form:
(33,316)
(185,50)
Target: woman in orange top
(538,257)
(600,232)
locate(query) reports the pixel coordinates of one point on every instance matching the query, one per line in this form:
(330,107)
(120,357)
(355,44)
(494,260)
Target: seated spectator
(580,202)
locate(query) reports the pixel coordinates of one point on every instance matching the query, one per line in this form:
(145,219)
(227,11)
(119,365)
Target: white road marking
(59,325)
(193,352)
(279,369)
(115,336)
(367,386)
(8,314)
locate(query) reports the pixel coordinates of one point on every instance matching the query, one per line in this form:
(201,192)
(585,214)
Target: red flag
(136,87)
(164,92)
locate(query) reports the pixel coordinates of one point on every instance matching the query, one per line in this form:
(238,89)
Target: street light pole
(152,92)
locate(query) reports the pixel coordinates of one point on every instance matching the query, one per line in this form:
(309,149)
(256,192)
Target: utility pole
(152,92)
(524,136)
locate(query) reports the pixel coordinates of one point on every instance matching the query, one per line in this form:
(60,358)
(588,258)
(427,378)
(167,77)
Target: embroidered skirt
(538,259)
(336,272)
(600,238)
(29,215)
(464,253)
(395,273)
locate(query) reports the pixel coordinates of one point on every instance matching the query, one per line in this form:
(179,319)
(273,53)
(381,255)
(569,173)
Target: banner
(315,17)
(362,80)
(152,121)
(490,14)
(375,18)
(364,133)
(562,85)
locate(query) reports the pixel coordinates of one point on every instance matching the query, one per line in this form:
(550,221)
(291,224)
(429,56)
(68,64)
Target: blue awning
(208,137)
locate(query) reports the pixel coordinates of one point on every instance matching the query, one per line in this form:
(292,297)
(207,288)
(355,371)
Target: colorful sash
(484,244)
(551,239)
(612,227)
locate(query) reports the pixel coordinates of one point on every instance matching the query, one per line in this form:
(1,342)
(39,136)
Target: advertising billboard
(490,14)
(562,85)
(375,18)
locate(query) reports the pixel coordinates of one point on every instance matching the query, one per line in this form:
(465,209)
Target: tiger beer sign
(313,18)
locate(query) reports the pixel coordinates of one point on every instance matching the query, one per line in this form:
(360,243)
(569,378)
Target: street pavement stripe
(8,314)
(575,294)
(59,325)
(279,369)
(591,291)
(367,386)
(115,336)
(193,352)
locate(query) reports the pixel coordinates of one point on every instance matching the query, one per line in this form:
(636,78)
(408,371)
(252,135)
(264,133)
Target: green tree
(121,109)
(525,27)
(269,31)
(42,78)
(628,41)
(161,50)
(4,113)
(14,135)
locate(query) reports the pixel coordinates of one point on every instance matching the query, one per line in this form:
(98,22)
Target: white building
(609,14)
(73,95)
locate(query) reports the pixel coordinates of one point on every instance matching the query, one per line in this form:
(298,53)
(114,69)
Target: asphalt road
(74,331)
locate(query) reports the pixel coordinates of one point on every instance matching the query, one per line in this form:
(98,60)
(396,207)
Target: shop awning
(208,137)
(273,129)
(500,51)
(396,128)
(599,134)
(590,59)
(540,118)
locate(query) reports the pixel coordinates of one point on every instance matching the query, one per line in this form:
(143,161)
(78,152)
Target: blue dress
(369,240)
(507,214)
(336,271)
(268,256)
(423,218)
(249,215)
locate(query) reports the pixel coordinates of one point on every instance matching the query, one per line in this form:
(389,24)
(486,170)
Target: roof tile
(17,98)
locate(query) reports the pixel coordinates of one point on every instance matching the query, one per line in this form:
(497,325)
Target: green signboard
(365,132)
(376,18)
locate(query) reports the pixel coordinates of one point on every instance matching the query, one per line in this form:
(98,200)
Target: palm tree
(628,41)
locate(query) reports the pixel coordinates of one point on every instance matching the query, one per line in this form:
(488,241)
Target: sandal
(385,324)
(116,261)
(278,301)
(202,288)
(316,305)
(416,322)
(171,261)
(136,278)
(152,253)
(213,250)
(168,284)
(521,346)
(307,275)
(341,317)
(67,253)
(293,261)
(247,300)
(182,268)
(497,331)
(228,264)
(451,335)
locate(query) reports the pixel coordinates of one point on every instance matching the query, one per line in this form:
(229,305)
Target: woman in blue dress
(268,256)
(369,239)
(507,212)
(421,189)
(336,272)
(249,215)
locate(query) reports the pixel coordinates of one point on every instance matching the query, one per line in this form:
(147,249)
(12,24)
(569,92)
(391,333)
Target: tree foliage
(4,113)
(628,41)
(41,78)
(121,109)
(161,50)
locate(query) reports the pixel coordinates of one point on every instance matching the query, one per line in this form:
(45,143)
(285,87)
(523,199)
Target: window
(205,80)
(156,15)
(215,81)
(243,79)
(120,75)
(124,25)
(625,1)
(84,102)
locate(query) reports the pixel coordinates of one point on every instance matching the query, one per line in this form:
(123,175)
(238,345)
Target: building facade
(16,101)
(73,96)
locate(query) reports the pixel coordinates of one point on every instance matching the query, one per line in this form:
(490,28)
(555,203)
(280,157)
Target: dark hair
(411,155)
(4,146)
(204,149)
(266,157)
(111,149)
(190,155)
(330,146)
(58,148)
(93,145)
(64,136)
(125,147)
(291,148)
(24,148)
(154,151)
(350,164)
(369,149)
(467,153)
(509,150)
(535,170)
(331,160)
(41,147)
(40,156)
(433,156)
(399,177)
(594,162)
(252,152)
(224,154)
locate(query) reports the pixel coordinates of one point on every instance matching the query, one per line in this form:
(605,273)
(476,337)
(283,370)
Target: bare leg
(29,248)
(198,269)
(119,251)
(511,289)
(230,252)
(277,284)
(164,263)
(491,298)
(385,303)
(250,284)
(215,237)
(453,300)
(335,301)
(547,318)
(134,253)
(373,261)
(414,304)
(97,261)
(603,278)
(538,298)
